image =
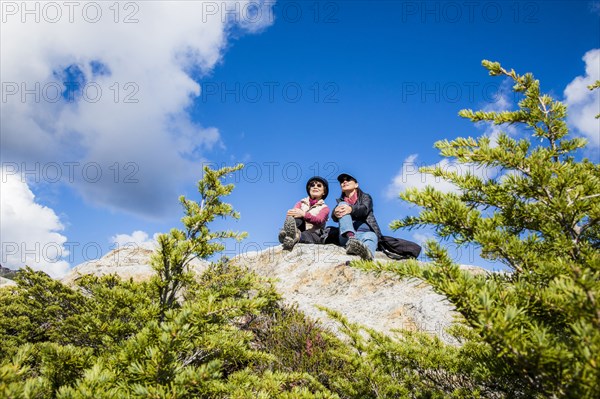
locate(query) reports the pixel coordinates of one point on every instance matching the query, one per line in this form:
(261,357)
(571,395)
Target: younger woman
(359,231)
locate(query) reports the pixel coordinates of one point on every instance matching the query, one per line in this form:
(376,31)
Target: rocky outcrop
(126,262)
(7,273)
(318,275)
(6,276)
(4,282)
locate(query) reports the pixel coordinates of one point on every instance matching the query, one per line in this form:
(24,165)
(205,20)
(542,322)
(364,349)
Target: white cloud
(409,175)
(503,103)
(29,232)
(421,238)
(502,99)
(583,104)
(136,239)
(127,137)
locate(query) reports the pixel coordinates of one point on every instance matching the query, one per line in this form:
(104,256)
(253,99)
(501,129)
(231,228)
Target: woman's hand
(296,213)
(342,210)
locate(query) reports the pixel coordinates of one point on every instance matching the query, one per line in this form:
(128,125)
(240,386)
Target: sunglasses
(345,179)
(316,184)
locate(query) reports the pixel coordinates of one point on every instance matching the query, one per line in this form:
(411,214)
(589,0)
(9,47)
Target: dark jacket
(362,211)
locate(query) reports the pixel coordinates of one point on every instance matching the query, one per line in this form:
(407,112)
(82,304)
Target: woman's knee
(370,236)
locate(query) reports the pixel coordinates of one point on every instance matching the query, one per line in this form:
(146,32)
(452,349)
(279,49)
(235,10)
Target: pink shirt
(352,199)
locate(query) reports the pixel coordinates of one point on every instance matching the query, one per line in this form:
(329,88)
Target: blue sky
(109,112)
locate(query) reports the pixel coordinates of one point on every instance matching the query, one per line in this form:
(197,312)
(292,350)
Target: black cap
(343,176)
(319,179)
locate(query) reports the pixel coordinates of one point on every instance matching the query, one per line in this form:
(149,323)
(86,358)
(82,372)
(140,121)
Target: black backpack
(393,248)
(397,248)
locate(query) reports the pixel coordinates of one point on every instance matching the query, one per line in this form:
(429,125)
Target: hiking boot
(289,227)
(289,242)
(281,236)
(355,247)
(292,234)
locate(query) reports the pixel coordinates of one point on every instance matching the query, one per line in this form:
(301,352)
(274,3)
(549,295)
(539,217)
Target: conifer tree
(537,327)
(178,248)
(177,336)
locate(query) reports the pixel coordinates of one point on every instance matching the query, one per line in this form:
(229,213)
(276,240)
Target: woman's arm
(296,211)
(319,218)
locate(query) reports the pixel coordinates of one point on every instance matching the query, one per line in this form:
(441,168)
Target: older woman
(305,222)
(359,231)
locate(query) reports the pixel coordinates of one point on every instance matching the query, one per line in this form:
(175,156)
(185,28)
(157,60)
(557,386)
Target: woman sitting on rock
(305,222)
(359,231)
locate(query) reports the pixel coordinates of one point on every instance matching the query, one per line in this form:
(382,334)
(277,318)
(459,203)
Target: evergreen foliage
(175,336)
(223,334)
(178,248)
(532,332)
(536,329)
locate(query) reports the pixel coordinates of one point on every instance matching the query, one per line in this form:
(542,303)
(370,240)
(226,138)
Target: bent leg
(310,237)
(300,224)
(346,226)
(368,238)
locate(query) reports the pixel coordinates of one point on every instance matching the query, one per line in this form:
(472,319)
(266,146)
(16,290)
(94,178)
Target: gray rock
(7,273)
(4,282)
(313,275)
(126,263)
(317,275)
